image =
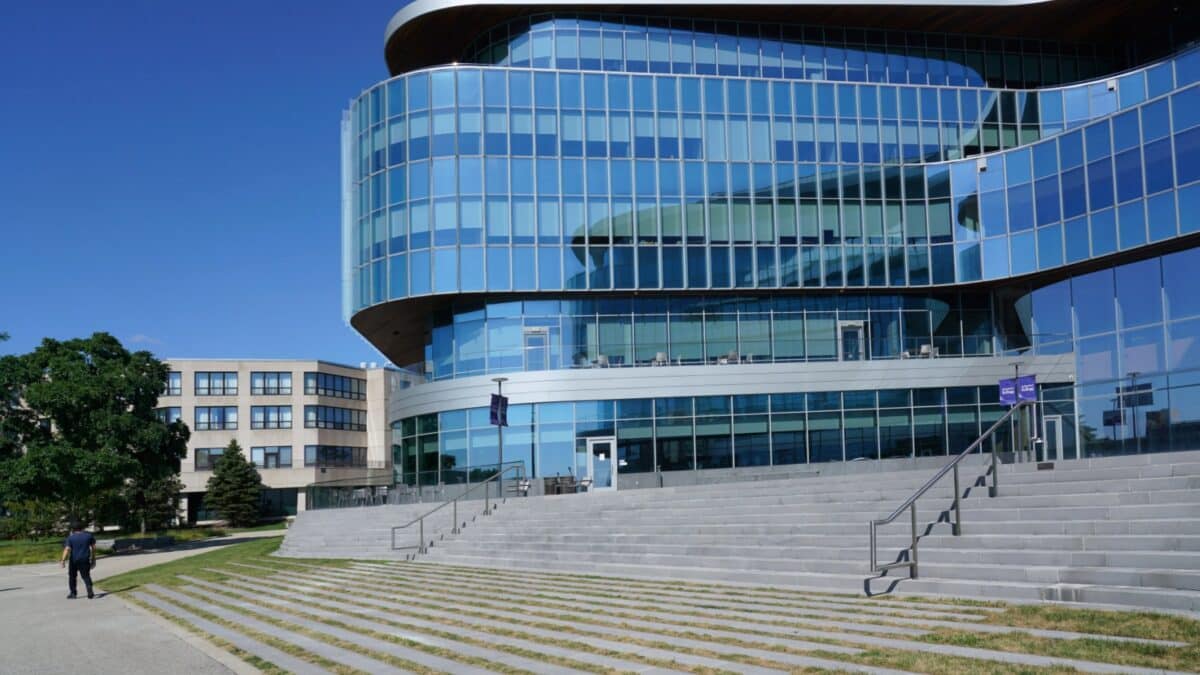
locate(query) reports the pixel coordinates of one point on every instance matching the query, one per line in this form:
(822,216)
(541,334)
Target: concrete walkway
(42,632)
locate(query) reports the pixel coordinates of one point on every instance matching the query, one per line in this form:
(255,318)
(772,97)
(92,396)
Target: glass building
(715,237)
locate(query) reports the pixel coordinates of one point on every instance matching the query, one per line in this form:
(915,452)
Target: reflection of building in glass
(730,236)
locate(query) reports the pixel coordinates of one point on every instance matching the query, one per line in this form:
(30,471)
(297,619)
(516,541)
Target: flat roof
(435,32)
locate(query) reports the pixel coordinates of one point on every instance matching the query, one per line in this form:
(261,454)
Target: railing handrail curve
(950,465)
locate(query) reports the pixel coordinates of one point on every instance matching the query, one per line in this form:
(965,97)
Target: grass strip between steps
(1084,649)
(630,612)
(1145,625)
(396,661)
(1140,624)
(936,664)
(1137,654)
(437,651)
(698,587)
(797,609)
(569,623)
(257,661)
(513,633)
(720,593)
(282,645)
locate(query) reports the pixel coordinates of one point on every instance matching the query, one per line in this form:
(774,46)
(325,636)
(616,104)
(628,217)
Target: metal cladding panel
(587,384)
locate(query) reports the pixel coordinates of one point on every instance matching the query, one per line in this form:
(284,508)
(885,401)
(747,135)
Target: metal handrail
(910,504)
(487,507)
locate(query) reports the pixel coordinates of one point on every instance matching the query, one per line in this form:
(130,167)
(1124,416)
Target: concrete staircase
(1119,531)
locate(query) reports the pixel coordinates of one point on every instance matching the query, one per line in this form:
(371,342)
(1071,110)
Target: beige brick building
(299,421)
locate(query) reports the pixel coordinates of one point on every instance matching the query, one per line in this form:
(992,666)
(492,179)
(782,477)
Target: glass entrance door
(602,463)
(851,341)
(1052,435)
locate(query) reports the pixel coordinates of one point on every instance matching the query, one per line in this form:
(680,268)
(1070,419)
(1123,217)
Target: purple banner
(499,410)
(1008,392)
(1027,388)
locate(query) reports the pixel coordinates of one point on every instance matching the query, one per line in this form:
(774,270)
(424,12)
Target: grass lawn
(26,551)
(22,551)
(165,574)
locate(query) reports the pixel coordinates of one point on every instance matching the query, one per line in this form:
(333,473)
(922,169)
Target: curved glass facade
(707,432)
(642,44)
(640,182)
(612,191)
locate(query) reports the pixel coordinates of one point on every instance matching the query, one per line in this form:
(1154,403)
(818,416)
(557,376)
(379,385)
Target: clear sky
(169,172)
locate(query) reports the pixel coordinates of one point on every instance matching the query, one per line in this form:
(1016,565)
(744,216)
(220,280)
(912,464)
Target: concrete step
(234,637)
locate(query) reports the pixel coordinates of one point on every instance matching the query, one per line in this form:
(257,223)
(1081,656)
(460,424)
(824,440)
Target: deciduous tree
(78,424)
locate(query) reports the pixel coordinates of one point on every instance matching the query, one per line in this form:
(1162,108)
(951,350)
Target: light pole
(1016,426)
(500,431)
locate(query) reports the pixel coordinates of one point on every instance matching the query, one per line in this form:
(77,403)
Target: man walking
(80,550)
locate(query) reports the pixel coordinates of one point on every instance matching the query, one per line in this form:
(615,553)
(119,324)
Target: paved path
(42,632)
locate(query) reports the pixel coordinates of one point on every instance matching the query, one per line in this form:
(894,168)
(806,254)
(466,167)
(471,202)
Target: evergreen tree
(234,488)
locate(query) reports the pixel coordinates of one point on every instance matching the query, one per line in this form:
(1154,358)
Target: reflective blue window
(1132,221)
(1100,184)
(1093,299)
(1070,149)
(995,258)
(1139,293)
(419,260)
(1179,283)
(1129,175)
(1078,239)
(1050,247)
(1159,167)
(1185,109)
(1161,216)
(1187,155)
(1104,232)
(497,269)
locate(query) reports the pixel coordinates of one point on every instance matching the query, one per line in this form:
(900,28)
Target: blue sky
(169,172)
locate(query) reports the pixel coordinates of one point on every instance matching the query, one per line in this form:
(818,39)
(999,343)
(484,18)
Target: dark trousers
(83,569)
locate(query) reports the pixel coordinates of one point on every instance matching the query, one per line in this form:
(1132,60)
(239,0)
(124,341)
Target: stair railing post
(957,505)
(487,496)
(912,573)
(874,566)
(994,489)
(454,529)
(421,545)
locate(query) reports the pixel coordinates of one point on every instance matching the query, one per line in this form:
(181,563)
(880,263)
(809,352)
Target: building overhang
(434,32)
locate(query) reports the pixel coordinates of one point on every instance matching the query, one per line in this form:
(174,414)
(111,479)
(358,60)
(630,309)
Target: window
(334,456)
(272,456)
(271,417)
(337,386)
(270,383)
(174,384)
(168,415)
(216,384)
(206,458)
(327,417)
(216,418)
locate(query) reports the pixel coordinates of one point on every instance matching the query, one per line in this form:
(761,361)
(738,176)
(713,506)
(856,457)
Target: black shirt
(80,544)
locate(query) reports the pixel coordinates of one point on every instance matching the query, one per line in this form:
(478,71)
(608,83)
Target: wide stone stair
(316,616)
(1118,531)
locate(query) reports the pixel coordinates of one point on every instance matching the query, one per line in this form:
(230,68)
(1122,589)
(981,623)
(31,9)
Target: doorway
(852,341)
(602,463)
(1052,437)
(537,349)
